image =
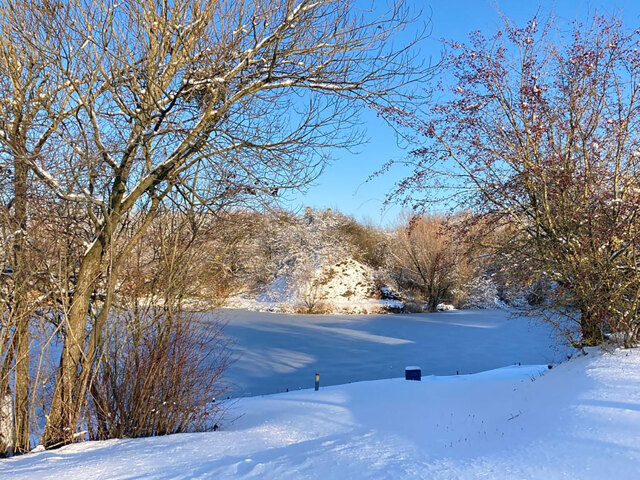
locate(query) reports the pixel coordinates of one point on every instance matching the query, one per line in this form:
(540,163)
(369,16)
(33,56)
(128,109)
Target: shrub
(160,373)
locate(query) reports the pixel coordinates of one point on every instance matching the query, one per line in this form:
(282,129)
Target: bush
(160,373)
(415,307)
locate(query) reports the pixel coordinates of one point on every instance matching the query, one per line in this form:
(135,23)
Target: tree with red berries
(537,131)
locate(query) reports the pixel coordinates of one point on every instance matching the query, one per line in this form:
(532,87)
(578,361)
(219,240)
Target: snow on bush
(482,293)
(311,268)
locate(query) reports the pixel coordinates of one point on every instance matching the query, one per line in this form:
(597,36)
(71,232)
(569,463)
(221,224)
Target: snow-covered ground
(579,420)
(279,351)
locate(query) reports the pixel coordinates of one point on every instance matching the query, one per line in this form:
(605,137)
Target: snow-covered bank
(579,420)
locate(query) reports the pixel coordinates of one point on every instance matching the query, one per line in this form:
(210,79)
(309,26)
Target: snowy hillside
(310,264)
(579,420)
(346,286)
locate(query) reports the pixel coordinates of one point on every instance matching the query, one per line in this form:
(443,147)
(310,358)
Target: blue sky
(343,186)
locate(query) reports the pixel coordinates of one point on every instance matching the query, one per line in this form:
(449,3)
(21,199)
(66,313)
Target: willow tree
(539,133)
(205,100)
(430,257)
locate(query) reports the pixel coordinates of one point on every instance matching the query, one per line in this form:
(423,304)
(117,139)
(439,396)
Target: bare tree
(205,100)
(537,131)
(429,258)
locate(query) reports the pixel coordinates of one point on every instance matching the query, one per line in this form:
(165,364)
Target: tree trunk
(6,424)
(432,301)
(65,408)
(79,352)
(22,380)
(589,329)
(20,314)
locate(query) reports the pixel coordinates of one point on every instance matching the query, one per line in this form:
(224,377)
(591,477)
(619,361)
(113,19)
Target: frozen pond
(276,352)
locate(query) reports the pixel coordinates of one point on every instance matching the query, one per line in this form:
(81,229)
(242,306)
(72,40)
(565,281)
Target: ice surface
(276,352)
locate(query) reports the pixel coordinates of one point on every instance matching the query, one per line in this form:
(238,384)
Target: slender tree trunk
(79,352)
(94,346)
(6,423)
(64,411)
(7,351)
(20,314)
(21,394)
(432,301)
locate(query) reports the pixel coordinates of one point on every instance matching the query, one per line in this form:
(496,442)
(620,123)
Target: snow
(443,307)
(346,286)
(390,304)
(277,351)
(579,420)
(388,293)
(277,292)
(345,282)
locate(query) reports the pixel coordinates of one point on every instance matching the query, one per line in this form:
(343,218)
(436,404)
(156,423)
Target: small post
(413,373)
(317,382)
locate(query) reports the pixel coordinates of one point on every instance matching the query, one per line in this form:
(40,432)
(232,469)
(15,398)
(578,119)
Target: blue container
(413,373)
